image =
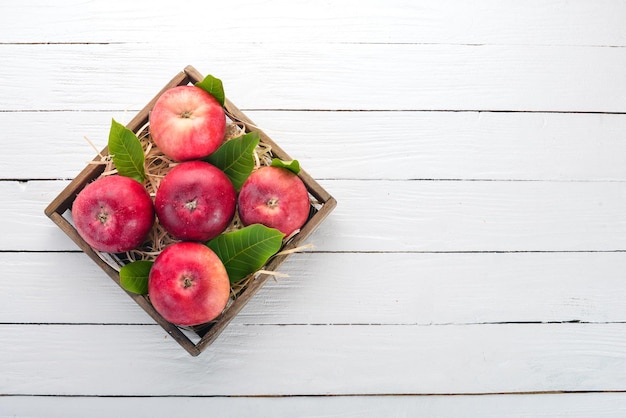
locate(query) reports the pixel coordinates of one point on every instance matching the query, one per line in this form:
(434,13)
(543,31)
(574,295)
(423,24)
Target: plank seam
(333,324)
(346,110)
(327,395)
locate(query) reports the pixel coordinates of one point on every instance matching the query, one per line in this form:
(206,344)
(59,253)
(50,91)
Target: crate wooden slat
(207,332)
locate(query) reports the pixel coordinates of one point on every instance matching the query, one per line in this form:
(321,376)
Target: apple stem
(192,204)
(102,217)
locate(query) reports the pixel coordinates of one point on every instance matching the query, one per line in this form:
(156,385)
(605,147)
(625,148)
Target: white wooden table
(475,264)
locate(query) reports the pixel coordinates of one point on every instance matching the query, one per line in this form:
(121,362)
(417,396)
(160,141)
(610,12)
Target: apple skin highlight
(188,284)
(195,201)
(113,214)
(187,123)
(276,198)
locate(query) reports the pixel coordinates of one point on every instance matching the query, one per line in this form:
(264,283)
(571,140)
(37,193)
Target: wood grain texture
(574,22)
(482,253)
(332,145)
(295,76)
(57,144)
(269,360)
(62,288)
(377,289)
(601,405)
(387,215)
(474,216)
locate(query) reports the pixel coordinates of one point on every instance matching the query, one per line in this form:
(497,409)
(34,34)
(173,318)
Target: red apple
(188,284)
(274,197)
(195,201)
(113,214)
(187,123)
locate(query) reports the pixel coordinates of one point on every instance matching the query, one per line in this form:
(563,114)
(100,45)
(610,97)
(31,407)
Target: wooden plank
(553,194)
(420,289)
(397,21)
(25,226)
(313,360)
(76,291)
(404,216)
(477,216)
(349,288)
(600,405)
(305,76)
(56,144)
(452,145)
(365,145)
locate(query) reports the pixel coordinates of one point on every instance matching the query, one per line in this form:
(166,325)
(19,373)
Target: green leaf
(236,158)
(126,152)
(214,87)
(134,276)
(292,165)
(246,250)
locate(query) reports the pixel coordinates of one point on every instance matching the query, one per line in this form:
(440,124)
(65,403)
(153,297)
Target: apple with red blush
(113,214)
(195,201)
(275,197)
(187,123)
(188,284)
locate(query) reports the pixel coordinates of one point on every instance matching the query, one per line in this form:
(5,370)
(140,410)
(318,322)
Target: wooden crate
(206,333)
